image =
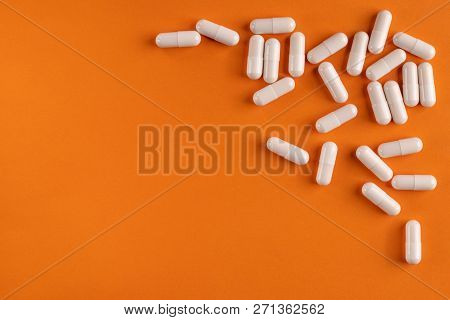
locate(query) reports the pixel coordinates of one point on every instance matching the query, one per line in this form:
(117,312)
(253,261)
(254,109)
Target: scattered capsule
(271,60)
(426,85)
(336,118)
(179,39)
(385,65)
(217,32)
(400,147)
(379,104)
(357,54)
(374,163)
(380,32)
(273,91)
(413,242)
(410,84)
(414,46)
(332,81)
(416,182)
(328,47)
(395,102)
(381,199)
(297,54)
(272,25)
(326,163)
(255,57)
(288,151)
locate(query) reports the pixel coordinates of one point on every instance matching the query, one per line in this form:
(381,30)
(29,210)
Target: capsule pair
(387,105)
(418,84)
(263,57)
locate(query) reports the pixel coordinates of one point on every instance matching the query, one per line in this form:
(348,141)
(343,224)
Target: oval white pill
(332,81)
(217,32)
(413,242)
(328,47)
(395,102)
(410,84)
(380,32)
(379,104)
(271,60)
(272,25)
(400,147)
(381,199)
(336,118)
(374,163)
(179,39)
(288,151)
(385,65)
(297,54)
(416,182)
(327,160)
(273,91)
(255,57)
(414,46)
(357,54)
(426,85)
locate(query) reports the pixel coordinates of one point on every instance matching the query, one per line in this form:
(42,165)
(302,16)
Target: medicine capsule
(379,104)
(336,118)
(271,60)
(179,39)
(381,199)
(255,57)
(357,54)
(288,151)
(410,84)
(328,47)
(374,163)
(414,46)
(217,32)
(273,91)
(326,163)
(426,85)
(395,102)
(297,54)
(272,25)
(332,81)
(413,243)
(416,182)
(400,147)
(386,64)
(380,32)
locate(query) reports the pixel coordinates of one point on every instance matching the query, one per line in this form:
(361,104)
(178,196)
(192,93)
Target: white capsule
(414,46)
(385,65)
(374,163)
(426,85)
(271,60)
(288,151)
(380,32)
(336,118)
(413,243)
(332,81)
(326,163)
(272,25)
(400,147)
(410,84)
(381,199)
(328,47)
(297,54)
(179,39)
(416,182)
(379,104)
(273,91)
(395,102)
(357,54)
(255,57)
(217,32)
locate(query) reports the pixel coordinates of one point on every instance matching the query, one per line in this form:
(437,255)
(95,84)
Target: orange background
(70,73)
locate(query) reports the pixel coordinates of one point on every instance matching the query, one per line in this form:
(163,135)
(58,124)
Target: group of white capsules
(388,104)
